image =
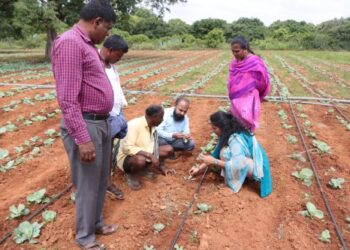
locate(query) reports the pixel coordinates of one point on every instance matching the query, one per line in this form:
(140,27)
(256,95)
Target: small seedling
(18,211)
(298,156)
(38,197)
(72,197)
(287,126)
(305,175)
(145,247)
(321,146)
(158,227)
(194,236)
(27,231)
(133,100)
(325,236)
(3,153)
(312,211)
(292,139)
(49,215)
(336,183)
(282,114)
(178,247)
(202,208)
(51,132)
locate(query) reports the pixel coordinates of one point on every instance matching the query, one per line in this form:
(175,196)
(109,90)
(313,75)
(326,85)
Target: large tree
(48,15)
(202,27)
(251,28)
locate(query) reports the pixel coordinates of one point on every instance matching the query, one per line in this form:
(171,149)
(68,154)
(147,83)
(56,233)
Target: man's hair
(116,42)
(154,110)
(98,8)
(181,98)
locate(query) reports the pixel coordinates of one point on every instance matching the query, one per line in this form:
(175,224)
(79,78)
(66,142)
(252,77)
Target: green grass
(286,78)
(218,85)
(192,76)
(313,75)
(339,57)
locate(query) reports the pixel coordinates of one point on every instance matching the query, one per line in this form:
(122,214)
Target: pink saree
(247,85)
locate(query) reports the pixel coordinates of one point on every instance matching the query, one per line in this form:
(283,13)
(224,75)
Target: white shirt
(170,126)
(119,98)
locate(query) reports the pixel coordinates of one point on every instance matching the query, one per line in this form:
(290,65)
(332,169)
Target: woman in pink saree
(248,83)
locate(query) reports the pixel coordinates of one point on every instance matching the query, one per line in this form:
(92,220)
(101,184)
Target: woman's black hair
(116,42)
(228,125)
(154,110)
(98,8)
(243,43)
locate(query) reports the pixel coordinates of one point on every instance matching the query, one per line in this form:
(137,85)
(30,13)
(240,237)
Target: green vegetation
(30,23)
(325,236)
(311,211)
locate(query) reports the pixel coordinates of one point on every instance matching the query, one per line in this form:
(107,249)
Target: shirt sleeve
(161,129)
(187,125)
(128,146)
(68,70)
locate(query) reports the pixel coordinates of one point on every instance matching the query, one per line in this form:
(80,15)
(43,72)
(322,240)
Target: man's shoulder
(69,37)
(136,121)
(168,111)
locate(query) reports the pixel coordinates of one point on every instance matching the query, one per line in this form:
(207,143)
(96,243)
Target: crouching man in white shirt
(175,130)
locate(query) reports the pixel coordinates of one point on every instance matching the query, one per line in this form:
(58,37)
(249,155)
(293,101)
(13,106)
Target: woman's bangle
(216,162)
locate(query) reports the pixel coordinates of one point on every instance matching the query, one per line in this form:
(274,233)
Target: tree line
(34,22)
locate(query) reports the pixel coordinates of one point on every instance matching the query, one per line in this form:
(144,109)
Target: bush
(136,39)
(122,33)
(214,38)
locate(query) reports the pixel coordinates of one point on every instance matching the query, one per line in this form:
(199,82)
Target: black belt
(92,116)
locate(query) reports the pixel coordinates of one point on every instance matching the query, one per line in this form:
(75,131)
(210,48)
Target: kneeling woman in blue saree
(238,155)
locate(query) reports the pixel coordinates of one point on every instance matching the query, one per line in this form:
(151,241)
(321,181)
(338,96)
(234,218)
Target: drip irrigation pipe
(341,113)
(303,102)
(182,224)
(324,197)
(38,211)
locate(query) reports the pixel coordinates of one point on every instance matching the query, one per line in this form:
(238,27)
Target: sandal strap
(93,245)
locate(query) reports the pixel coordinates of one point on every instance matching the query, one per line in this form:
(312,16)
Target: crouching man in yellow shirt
(139,150)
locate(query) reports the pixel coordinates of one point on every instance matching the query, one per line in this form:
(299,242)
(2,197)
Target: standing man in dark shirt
(85,97)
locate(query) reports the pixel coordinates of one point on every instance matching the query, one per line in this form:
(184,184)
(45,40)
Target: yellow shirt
(139,138)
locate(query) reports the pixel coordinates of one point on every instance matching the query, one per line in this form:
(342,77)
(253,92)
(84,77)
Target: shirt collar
(145,124)
(77,29)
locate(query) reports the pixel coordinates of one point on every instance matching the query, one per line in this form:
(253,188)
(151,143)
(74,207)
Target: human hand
(195,170)
(87,152)
(187,136)
(208,159)
(178,135)
(154,160)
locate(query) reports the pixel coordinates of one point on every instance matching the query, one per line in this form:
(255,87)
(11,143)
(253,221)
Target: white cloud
(268,11)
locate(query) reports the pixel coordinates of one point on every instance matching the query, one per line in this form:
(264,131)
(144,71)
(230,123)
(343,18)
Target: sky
(268,11)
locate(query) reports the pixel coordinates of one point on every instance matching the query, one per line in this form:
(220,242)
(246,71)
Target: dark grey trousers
(177,144)
(90,179)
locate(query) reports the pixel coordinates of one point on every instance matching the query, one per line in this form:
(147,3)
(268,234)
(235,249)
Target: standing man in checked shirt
(85,97)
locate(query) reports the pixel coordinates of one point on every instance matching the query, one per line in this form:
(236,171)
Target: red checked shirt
(81,82)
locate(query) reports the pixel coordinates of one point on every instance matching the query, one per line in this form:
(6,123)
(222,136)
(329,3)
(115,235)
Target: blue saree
(244,154)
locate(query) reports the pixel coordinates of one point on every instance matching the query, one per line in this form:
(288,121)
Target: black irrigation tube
(324,197)
(341,113)
(179,230)
(38,211)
